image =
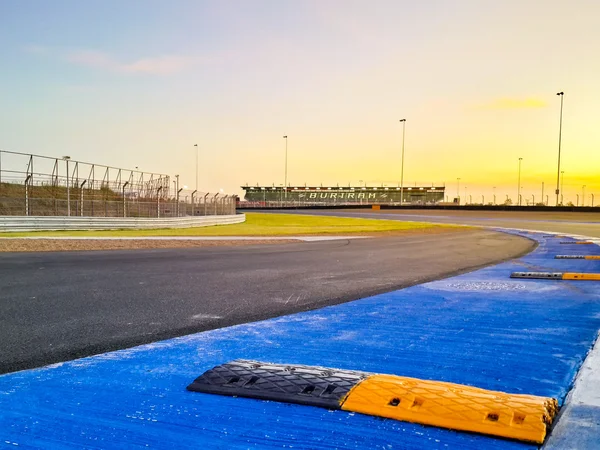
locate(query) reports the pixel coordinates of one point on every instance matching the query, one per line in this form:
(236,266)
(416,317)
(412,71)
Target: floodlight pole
(561,94)
(196,145)
(562,186)
(519,187)
(402,166)
(286,166)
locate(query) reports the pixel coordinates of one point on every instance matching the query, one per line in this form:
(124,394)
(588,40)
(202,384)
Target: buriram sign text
(345,195)
(356,195)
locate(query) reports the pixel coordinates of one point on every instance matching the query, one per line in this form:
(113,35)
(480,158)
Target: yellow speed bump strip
(556,276)
(454,406)
(593,257)
(581,276)
(435,403)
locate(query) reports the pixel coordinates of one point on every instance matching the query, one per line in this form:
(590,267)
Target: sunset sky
(138,83)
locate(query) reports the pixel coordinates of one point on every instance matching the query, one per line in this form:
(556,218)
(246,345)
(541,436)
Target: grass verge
(260,224)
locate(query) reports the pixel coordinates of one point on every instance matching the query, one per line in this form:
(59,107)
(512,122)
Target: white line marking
(190,238)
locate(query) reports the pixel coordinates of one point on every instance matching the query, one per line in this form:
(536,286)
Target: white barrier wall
(48,223)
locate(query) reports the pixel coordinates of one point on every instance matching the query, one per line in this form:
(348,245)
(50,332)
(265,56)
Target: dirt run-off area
(62,245)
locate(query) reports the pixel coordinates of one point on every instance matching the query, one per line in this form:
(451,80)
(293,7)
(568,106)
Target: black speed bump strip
(557,275)
(305,385)
(538,275)
(577,257)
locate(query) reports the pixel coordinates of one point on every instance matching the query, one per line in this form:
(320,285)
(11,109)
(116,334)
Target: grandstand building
(344,194)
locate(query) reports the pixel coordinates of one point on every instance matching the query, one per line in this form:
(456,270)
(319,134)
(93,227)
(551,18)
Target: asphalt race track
(61,306)
(586,224)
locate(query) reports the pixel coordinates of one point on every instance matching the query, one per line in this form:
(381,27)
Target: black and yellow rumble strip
(577,242)
(593,257)
(557,276)
(435,403)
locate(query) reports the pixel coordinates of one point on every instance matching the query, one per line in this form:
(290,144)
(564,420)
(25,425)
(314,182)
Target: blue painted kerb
(481,328)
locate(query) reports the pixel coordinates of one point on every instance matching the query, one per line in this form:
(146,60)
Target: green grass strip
(260,224)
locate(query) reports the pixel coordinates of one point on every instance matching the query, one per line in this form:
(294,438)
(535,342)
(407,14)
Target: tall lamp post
(542,192)
(562,185)
(285,177)
(519,187)
(458,189)
(583,195)
(561,95)
(402,167)
(196,145)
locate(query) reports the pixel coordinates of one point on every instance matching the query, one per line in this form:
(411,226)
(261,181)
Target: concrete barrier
(47,223)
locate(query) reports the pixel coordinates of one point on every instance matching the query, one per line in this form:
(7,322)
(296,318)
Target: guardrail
(470,207)
(45,223)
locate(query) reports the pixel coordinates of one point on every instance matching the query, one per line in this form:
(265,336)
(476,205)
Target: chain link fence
(32,185)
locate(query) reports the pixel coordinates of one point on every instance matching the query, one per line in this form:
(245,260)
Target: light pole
(285,178)
(561,95)
(196,145)
(402,167)
(583,195)
(519,187)
(67,158)
(542,192)
(458,189)
(494,195)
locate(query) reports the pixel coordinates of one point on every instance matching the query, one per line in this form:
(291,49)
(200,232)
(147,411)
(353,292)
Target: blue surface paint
(481,329)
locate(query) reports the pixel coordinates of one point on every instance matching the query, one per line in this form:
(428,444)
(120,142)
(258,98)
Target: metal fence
(32,223)
(33,185)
